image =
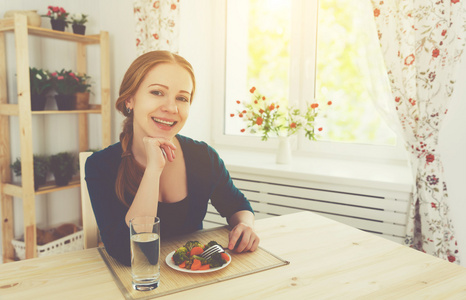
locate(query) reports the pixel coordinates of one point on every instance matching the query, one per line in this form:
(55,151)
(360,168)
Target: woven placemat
(172,281)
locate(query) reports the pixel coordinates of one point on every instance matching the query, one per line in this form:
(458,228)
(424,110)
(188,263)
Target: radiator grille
(380,212)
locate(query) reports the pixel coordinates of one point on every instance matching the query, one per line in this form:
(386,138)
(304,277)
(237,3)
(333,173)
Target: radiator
(375,210)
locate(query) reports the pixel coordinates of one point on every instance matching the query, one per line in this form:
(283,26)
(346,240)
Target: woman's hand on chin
(158,151)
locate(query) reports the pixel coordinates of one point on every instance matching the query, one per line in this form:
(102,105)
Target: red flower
(261,111)
(314,105)
(138,41)
(451,258)
(412,101)
(252,90)
(259,121)
(436,51)
(240,115)
(409,59)
(433,205)
(430,158)
(329,103)
(444,32)
(156,36)
(455,1)
(156,4)
(263,98)
(243,130)
(232,115)
(54,74)
(293,125)
(237,101)
(376,12)
(320,129)
(244,111)
(255,102)
(397,99)
(272,106)
(60,77)
(173,6)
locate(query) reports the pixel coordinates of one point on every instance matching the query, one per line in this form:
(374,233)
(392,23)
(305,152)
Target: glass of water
(145,252)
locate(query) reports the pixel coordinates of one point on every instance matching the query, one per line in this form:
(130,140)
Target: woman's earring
(128,110)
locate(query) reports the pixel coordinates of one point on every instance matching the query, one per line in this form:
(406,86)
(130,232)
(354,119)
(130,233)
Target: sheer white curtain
(422,42)
(157,25)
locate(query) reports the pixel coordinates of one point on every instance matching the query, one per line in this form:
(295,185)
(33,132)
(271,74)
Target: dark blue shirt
(207,178)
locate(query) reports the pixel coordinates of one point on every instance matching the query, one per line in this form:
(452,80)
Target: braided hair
(130,172)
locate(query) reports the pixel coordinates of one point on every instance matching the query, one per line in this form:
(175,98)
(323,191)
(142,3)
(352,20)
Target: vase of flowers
(78,21)
(40,85)
(65,83)
(268,118)
(58,16)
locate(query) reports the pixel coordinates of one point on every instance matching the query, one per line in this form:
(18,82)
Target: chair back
(91,231)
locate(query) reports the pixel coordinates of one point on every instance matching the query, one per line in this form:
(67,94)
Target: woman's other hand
(242,238)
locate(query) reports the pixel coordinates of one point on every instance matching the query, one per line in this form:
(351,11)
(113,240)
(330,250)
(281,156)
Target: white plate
(172,265)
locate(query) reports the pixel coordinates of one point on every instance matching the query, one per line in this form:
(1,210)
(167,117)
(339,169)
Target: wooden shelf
(21,31)
(93,109)
(51,187)
(13,110)
(15,190)
(7,25)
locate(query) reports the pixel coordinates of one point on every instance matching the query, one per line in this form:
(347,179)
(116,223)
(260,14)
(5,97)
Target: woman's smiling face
(161,103)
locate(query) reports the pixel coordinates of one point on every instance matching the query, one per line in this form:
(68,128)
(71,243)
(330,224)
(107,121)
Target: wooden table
(329,260)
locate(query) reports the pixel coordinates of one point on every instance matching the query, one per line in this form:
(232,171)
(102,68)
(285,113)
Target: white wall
(452,146)
(196,46)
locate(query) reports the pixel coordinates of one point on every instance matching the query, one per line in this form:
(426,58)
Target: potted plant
(82,92)
(78,21)
(41,169)
(65,84)
(63,166)
(57,17)
(40,84)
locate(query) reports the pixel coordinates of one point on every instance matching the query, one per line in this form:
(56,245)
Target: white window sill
(391,177)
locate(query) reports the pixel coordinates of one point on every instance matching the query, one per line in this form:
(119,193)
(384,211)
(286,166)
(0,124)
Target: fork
(211,251)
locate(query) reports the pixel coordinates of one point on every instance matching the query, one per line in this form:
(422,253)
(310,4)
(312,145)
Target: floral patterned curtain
(422,42)
(157,25)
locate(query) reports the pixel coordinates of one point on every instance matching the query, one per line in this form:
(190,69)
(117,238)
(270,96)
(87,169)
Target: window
(303,51)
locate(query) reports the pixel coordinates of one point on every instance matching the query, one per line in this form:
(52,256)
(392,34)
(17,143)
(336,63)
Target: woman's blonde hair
(130,172)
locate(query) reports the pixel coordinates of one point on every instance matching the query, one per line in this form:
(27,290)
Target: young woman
(157,172)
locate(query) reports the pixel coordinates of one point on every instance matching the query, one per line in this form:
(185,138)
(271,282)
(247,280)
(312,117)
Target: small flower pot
(61,180)
(79,29)
(81,101)
(58,25)
(39,181)
(65,102)
(38,102)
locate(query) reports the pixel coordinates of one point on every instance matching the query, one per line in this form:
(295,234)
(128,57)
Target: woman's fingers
(234,236)
(243,238)
(159,150)
(168,152)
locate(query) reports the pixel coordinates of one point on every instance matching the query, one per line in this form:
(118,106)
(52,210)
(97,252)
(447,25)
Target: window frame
(303,49)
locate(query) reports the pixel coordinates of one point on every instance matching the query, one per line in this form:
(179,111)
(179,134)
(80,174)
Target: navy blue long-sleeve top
(207,178)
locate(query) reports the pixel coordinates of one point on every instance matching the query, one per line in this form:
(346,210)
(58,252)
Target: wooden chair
(91,231)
